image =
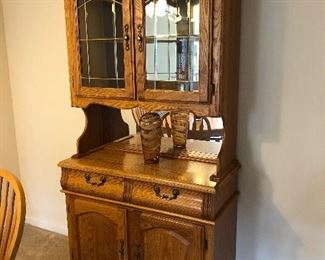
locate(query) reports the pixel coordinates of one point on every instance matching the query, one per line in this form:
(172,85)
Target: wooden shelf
(200,151)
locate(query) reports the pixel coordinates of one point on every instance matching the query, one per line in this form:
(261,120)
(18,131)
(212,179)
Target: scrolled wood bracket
(175,193)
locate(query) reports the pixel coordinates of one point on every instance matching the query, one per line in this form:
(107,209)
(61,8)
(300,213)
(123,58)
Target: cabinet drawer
(92,184)
(167,198)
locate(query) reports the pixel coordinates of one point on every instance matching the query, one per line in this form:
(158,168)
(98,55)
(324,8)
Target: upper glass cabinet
(104,47)
(172,49)
(141,49)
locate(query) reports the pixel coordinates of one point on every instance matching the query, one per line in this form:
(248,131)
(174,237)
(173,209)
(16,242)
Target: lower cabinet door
(155,237)
(96,230)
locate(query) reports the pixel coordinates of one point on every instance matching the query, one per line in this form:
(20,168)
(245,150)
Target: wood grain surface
(112,188)
(198,109)
(228,100)
(103,125)
(173,172)
(90,222)
(158,237)
(187,202)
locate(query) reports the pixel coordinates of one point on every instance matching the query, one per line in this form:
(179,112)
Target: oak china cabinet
(153,55)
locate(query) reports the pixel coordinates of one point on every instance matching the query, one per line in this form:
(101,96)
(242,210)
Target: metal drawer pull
(101,181)
(176,192)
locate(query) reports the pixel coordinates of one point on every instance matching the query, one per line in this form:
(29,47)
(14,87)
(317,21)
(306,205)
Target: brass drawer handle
(101,181)
(176,192)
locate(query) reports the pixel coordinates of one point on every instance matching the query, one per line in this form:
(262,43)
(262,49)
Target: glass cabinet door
(104,52)
(172,49)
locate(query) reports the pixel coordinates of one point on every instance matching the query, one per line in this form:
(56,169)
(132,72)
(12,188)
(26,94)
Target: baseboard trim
(47,226)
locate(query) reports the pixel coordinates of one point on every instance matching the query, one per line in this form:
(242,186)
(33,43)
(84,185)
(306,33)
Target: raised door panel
(99,34)
(160,238)
(173,49)
(96,230)
(160,243)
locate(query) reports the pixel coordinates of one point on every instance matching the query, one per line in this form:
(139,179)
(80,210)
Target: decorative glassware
(151,133)
(180,124)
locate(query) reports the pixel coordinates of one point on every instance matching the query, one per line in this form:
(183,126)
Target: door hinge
(205,244)
(213,89)
(121,250)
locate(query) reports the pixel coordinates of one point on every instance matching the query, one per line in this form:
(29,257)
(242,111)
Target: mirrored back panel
(172,36)
(199,128)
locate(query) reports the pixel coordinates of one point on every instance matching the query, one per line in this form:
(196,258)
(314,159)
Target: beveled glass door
(104,50)
(172,49)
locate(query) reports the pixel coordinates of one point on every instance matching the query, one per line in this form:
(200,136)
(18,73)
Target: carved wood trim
(138,207)
(128,184)
(198,109)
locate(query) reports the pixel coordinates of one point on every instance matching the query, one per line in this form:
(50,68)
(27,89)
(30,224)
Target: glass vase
(180,124)
(151,133)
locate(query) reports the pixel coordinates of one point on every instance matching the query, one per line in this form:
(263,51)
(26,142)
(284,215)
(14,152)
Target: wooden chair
(12,214)
(137,113)
(199,128)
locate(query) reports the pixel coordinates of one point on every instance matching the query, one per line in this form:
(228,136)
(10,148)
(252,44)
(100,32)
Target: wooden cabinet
(100,230)
(96,230)
(157,237)
(127,53)
(142,222)
(152,55)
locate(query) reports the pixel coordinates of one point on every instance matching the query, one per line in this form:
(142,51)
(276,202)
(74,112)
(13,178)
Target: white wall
(8,146)
(282,130)
(46,126)
(281,121)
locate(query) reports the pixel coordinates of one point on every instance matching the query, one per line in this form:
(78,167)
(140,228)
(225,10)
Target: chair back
(12,214)
(200,128)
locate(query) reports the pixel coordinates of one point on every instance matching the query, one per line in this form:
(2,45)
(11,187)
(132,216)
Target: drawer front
(167,198)
(93,184)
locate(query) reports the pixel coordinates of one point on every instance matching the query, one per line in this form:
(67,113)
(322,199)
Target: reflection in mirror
(204,140)
(200,128)
(172,44)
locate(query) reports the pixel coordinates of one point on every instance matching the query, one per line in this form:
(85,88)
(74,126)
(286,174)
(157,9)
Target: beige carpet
(39,244)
